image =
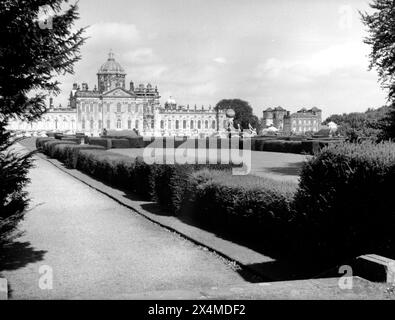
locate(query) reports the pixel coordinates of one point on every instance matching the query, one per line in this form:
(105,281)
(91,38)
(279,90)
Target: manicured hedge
(105,143)
(109,167)
(71,153)
(58,135)
(172,181)
(50,149)
(136,142)
(244,204)
(41,140)
(120,143)
(345,201)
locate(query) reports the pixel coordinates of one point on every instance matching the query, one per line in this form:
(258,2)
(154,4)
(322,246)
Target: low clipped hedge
(50,147)
(40,142)
(105,143)
(251,205)
(120,143)
(71,153)
(172,181)
(136,142)
(291,145)
(344,202)
(109,167)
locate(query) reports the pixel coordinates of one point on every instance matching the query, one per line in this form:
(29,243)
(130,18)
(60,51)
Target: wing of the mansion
(112,106)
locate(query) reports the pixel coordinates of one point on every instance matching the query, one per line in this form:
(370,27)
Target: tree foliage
(32,52)
(381,38)
(244,114)
(360,125)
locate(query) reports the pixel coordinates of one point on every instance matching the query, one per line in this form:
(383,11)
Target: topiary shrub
(344,202)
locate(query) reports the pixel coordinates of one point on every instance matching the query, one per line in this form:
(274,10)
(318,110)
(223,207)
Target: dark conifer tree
(38,41)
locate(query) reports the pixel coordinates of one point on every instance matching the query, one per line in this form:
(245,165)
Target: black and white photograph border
(197,150)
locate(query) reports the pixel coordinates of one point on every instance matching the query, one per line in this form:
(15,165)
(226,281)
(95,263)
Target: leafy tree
(381,28)
(360,125)
(32,51)
(243,110)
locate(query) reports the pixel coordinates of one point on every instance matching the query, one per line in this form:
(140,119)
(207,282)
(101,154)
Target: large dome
(111,66)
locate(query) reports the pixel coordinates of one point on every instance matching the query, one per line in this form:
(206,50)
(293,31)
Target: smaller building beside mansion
(299,122)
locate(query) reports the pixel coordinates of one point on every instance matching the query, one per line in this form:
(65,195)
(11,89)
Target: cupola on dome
(111,66)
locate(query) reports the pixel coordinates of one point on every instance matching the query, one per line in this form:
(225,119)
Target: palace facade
(111,105)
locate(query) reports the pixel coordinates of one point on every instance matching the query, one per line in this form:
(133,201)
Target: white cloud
(220,60)
(114,32)
(337,58)
(139,56)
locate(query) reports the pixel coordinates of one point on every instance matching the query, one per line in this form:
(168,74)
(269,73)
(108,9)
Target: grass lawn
(278,166)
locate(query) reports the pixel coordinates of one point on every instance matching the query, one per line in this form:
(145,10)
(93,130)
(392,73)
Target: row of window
(306,122)
(184,124)
(91,124)
(90,107)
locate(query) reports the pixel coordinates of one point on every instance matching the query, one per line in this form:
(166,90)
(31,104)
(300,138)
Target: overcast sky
(291,53)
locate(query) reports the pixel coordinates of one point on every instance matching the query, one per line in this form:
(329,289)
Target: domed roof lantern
(111,66)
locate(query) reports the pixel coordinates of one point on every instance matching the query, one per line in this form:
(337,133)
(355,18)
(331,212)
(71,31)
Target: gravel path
(98,249)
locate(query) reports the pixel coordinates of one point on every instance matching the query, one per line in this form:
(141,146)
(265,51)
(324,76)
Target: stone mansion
(299,122)
(111,105)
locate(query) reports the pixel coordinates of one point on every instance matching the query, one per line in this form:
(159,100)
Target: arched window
(213,124)
(91,107)
(184,124)
(199,126)
(191,124)
(129,107)
(162,124)
(108,124)
(177,124)
(137,124)
(82,124)
(129,124)
(137,108)
(169,124)
(108,107)
(119,124)
(100,107)
(83,107)
(119,107)
(91,124)
(206,124)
